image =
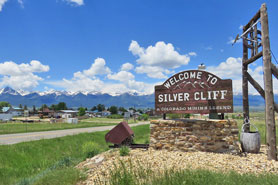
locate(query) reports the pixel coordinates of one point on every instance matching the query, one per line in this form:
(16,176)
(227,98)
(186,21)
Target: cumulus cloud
(76,2)
(157,59)
(2,2)
(21,76)
(121,76)
(127,67)
(231,69)
(87,80)
(97,68)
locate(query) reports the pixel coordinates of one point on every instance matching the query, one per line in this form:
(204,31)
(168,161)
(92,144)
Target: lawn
(9,128)
(52,161)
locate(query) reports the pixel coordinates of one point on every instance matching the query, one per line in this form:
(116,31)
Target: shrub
(115,116)
(124,151)
(144,117)
(187,116)
(91,149)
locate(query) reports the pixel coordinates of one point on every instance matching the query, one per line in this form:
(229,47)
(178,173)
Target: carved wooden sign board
(194,91)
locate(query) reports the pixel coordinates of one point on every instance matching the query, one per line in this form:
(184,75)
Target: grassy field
(123,176)
(52,161)
(9,128)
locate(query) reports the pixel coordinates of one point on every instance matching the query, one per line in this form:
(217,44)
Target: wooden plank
(257,86)
(256,39)
(245,100)
(268,87)
(254,19)
(274,70)
(253,59)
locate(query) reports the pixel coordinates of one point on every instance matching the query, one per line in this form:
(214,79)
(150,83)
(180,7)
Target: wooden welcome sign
(194,91)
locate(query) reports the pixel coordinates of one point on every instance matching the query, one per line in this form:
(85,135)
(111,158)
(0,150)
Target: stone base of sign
(195,135)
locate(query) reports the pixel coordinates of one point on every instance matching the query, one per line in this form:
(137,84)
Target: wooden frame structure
(256,45)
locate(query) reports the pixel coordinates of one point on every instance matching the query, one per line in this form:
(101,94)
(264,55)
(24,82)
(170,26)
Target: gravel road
(9,139)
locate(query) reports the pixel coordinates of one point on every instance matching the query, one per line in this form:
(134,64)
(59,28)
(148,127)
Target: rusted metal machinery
(122,135)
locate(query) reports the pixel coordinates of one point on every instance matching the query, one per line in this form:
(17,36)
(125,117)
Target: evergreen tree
(81,111)
(113,110)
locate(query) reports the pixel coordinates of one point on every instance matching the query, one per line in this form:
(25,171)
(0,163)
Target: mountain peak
(9,90)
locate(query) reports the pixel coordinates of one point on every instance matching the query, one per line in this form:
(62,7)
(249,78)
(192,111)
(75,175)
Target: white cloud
(153,71)
(163,55)
(192,54)
(97,68)
(21,76)
(156,60)
(240,27)
(88,81)
(127,67)
(2,2)
(121,76)
(76,2)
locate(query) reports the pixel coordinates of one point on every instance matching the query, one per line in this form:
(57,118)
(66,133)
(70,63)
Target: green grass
(9,128)
(50,161)
(124,175)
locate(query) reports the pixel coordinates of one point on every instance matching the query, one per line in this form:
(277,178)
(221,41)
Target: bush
(124,151)
(144,117)
(187,115)
(115,116)
(91,149)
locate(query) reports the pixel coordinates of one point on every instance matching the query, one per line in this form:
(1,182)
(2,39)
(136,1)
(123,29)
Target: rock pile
(99,167)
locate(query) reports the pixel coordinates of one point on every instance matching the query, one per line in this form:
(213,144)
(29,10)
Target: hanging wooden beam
(254,19)
(274,70)
(253,59)
(257,86)
(268,87)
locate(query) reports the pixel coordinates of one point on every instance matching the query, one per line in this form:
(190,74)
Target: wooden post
(245,81)
(164,116)
(268,87)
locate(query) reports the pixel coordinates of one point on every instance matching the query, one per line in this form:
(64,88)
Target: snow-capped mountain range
(90,99)
(75,99)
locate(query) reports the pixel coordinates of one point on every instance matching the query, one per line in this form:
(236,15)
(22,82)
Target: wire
(274,57)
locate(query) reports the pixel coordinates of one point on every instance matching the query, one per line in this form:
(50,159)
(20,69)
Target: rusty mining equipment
(122,135)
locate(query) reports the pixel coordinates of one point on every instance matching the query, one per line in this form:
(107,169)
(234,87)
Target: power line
(274,57)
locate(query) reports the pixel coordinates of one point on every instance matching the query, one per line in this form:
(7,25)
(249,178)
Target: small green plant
(91,149)
(144,117)
(124,151)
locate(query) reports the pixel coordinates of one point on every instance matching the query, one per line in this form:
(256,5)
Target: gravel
(99,167)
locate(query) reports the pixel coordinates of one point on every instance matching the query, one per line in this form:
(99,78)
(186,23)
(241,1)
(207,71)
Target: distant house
(105,113)
(66,113)
(15,111)
(47,112)
(6,116)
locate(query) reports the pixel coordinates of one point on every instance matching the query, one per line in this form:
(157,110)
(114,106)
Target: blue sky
(120,46)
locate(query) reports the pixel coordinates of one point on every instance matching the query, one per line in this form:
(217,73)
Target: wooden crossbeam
(274,70)
(260,90)
(253,59)
(254,19)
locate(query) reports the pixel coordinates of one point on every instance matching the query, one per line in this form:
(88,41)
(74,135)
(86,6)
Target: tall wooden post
(245,82)
(269,100)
